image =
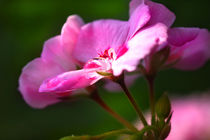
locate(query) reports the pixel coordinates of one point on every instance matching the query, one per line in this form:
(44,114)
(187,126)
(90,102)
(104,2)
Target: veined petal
(97,36)
(70,32)
(53,52)
(33,74)
(192,45)
(160,14)
(140,46)
(70,81)
(139,17)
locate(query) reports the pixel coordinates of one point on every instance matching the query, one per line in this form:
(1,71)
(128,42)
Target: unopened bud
(149,136)
(165,131)
(163,107)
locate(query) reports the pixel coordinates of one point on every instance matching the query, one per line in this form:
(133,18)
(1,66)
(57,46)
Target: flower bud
(163,107)
(149,136)
(165,131)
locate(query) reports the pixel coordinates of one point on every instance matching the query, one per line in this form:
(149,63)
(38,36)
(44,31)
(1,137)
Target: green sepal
(165,131)
(104,73)
(163,107)
(159,58)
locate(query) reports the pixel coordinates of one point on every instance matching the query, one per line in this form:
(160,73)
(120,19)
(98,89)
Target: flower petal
(192,45)
(97,36)
(160,14)
(140,46)
(32,76)
(139,17)
(53,52)
(70,81)
(134,4)
(70,32)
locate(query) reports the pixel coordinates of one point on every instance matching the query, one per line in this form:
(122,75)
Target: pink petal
(97,36)
(180,36)
(53,52)
(187,114)
(134,4)
(32,76)
(140,46)
(70,81)
(129,80)
(70,32)
(139,17)
(160,14)
(192,44)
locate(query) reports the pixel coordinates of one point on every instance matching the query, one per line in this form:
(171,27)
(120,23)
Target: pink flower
(55,59)
(106,48)
(189,47)
(190,119)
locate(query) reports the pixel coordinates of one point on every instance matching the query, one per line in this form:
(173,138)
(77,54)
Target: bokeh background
(26,24)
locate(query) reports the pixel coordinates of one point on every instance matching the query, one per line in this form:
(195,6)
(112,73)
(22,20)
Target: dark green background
(26,24)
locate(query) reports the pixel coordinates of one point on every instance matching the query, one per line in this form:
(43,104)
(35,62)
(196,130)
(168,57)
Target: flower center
(102,63)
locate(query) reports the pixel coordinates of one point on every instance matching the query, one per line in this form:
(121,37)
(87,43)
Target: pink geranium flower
(106,48)
(55,59)
(102,48)
(189,48)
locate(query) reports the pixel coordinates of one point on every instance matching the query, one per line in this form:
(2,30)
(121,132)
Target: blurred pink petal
(191,46)
(191,119)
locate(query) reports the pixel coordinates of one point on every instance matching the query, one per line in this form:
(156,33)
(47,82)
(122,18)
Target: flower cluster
(72,62)
(106,48)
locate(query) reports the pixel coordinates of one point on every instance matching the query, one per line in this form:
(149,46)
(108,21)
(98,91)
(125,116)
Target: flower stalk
(95,97)
(150,80)
(122,84)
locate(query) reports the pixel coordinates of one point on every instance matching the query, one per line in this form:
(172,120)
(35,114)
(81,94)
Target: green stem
(110,134)
(132,101)
(100,136)
(95,96)
(151,97)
